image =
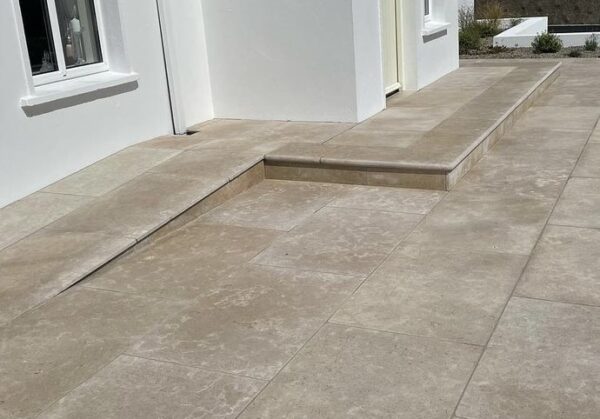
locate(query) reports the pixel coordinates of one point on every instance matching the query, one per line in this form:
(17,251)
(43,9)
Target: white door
(389,41)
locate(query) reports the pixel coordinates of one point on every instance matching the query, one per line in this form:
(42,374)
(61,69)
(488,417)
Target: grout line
(527,297)
(512,293)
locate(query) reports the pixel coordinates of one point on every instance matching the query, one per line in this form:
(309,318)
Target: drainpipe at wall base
(169,58)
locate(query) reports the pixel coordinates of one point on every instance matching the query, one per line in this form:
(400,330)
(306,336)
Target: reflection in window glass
(38,34)
(79,32)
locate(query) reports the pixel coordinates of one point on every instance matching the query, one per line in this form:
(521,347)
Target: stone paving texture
(301,299)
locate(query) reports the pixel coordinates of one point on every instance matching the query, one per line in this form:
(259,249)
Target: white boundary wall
(523,34)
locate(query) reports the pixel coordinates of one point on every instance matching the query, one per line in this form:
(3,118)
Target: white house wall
(307,60)
(185,43)
(38,150)
(428,58)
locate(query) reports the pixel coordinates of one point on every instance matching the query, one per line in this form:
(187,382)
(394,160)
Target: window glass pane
(79,32)
(38,34)
(427,7)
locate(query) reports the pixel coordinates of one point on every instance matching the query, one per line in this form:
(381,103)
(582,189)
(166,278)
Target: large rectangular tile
(414,201)
(439,293)
(589,163)
(311,132)
(182,264)
(277,205)
(140,206)
(209,163)
(542,362)
(250,321)
(404,118)
(348,372)
(484,221)
(45,263)
(579,205)
(132,387)
(377,138)
(562,117)
(340,240)
(565,266)
(112,172)
(51,350)
(28,215)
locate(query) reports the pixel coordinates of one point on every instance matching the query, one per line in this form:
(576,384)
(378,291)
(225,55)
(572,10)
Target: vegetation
(490,15)
(546,42)
(473,31)
(591,44)
(516,21)
(575,53)
(469,39)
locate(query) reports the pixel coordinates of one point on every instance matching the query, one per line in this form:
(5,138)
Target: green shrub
(591,44)
(546,42)
(469,40)
(575,53)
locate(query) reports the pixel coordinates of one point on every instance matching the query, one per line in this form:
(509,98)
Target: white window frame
(64,73)
(427,12)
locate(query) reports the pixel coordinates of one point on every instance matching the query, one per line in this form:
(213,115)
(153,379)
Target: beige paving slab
(405,118)
(312,132)
(140,206)
(348,372)
(340,240)
(33,212)
(484,221)
(112,172)
(562,117)
(273,204)
(253,146)
(45,263)
(250,321)
(377,138)
(565,266)
(184,263)
(518,164)
(173,142)
(139,388)
(414,201)
(589,163)
(579,205)
(542,362)
(209,164)
(439,293)
(595,138)
(51,350)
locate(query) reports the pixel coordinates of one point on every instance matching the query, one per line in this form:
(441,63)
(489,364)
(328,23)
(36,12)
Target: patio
(174,280)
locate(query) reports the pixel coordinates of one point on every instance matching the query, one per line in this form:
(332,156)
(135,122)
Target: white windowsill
(432,27)
(75,87)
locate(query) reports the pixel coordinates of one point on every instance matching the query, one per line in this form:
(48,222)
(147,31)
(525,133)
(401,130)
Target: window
(63,38)
(427,10)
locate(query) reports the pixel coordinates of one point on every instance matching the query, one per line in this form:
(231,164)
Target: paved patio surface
(299,299)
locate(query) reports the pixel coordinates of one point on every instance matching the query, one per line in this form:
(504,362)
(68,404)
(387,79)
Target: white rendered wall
(428,58)
(309,60)
(185,48)
(38,150)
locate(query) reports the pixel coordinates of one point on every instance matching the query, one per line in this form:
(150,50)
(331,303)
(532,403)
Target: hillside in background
(558,11)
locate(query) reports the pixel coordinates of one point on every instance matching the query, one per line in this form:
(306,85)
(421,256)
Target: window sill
(73,88)
(432,28)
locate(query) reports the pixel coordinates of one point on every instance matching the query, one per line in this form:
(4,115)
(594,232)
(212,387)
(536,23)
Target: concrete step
(429,139)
